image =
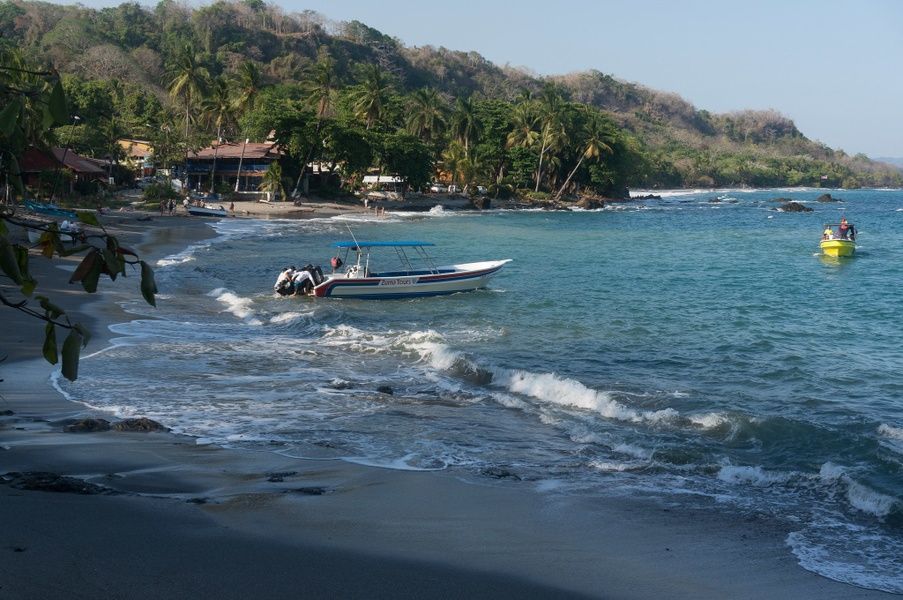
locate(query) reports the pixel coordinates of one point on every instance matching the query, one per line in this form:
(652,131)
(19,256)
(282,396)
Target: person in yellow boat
(844,228)
(828,234)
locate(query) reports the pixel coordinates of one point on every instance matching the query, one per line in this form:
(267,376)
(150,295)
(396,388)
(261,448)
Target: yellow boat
(842,243)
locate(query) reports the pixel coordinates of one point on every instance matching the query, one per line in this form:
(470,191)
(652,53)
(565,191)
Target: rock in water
(588,203)
(794,207)
(87,426)
(142,425)
(52,482)
(384,389)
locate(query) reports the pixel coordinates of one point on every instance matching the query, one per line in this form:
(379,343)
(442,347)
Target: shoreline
(196,520)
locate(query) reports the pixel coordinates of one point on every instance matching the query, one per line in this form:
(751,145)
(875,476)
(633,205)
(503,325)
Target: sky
(833,66)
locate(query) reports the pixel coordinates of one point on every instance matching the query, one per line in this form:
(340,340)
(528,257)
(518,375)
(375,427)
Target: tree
(31,103)
(248,84)
(320,86)
(271,182)
(372,95)
(188,80)
(598,137)
(426,114)
(218,112)
(551,107)
(465,126)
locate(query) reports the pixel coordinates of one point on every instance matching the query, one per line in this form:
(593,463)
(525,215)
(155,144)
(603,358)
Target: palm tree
(551,107)
(598,138)
(426,113)
(247,83)
(465,125)
(372,96)
(217,109)
(526,126)
(320,89)
(271,183)
(321,85)
(188,79)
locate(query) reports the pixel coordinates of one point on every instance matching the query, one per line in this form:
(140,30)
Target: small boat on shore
(68,231)
(207,210)
(50,210)
(416,275)
(838,239)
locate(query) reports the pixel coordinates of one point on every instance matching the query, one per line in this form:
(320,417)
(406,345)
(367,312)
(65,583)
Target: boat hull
(200,211)
(448,280)
(838,247)
(50,210)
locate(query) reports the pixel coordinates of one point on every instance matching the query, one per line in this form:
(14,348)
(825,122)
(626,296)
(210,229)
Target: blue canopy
(379,244)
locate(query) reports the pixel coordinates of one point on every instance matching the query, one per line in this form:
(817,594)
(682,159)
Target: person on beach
(232,208)
(172,206)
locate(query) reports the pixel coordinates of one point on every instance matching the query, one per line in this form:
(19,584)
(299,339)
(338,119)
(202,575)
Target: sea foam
(237,305)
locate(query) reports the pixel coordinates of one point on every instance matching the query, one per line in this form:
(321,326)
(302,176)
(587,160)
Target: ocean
(695,349)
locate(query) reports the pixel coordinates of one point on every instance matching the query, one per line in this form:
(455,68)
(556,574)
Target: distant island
(341,101)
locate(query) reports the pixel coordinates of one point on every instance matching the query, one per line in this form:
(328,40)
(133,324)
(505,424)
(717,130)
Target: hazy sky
(835,67)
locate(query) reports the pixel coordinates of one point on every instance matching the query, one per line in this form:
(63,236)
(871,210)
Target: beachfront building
(228,162)
(44,168)
(139,157)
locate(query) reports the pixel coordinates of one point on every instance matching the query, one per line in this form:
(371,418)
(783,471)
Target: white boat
(207,210)
(66,230)
(415,276)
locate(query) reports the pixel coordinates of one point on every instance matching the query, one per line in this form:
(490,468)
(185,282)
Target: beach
(174,518)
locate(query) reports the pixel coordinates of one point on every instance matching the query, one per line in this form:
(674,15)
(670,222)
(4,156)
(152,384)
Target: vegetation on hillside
(346,95)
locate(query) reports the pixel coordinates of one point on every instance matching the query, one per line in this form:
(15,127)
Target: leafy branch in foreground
(103,255)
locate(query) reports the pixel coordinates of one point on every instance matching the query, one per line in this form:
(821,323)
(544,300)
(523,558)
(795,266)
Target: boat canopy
(406,244)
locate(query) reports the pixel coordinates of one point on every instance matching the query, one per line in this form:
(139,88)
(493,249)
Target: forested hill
(127,60)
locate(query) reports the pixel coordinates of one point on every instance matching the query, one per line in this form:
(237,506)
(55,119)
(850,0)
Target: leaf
(71,350)
(111,262)
(46,248)
(57,104)
(8,262)
(9,116)
(88,218)
(84,267)
(86,335)
(148,285)
(50,349)
(28,282)
(93,276)
(53,311)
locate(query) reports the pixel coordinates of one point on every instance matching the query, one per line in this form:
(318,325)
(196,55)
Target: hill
(124,60)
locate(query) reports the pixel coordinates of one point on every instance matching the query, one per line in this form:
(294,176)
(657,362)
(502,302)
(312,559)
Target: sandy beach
(170,518)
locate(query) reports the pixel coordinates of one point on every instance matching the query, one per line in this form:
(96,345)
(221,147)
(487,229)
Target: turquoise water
(674,348)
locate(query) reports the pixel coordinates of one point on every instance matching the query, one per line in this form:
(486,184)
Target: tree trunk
(568,180)
(539,169)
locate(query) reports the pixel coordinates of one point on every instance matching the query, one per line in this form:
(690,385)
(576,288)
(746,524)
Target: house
(228,162)
(139,156)
(85,172)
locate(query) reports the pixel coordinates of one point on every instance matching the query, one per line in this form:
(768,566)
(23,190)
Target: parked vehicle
(438,188)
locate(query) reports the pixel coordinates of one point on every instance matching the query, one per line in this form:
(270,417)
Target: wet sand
(187,520)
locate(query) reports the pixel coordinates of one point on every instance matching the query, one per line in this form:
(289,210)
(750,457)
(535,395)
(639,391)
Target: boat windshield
(411,256)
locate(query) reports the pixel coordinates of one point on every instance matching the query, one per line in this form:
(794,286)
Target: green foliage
(240,69)
(159,191)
